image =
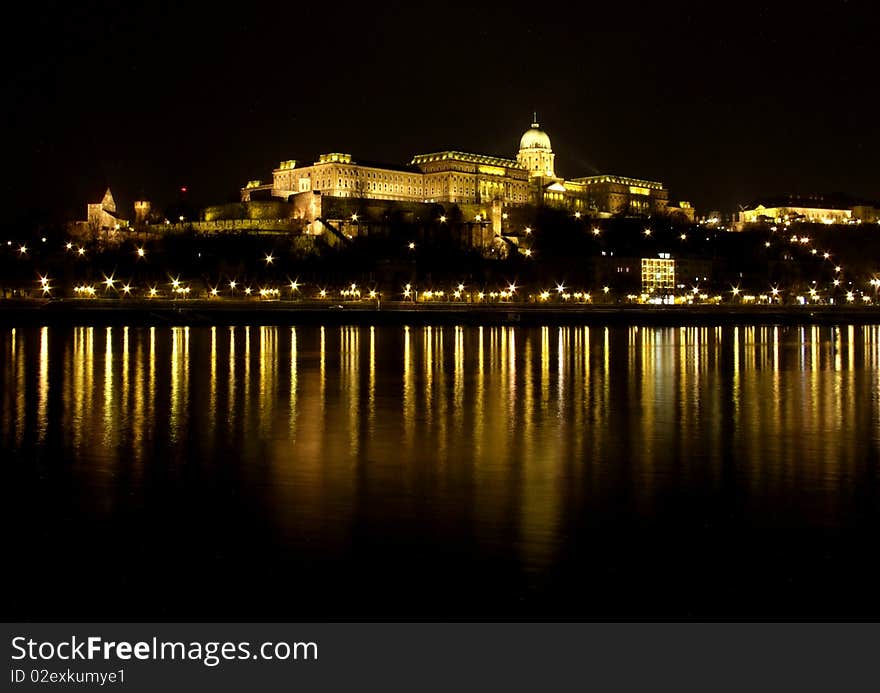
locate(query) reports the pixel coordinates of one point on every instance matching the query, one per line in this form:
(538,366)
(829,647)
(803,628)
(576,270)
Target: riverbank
(208,312)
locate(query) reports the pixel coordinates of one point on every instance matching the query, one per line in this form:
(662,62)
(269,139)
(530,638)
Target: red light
(183,189)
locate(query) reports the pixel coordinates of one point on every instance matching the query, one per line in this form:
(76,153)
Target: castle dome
(535,138)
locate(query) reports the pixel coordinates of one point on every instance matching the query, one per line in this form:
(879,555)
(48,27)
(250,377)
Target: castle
(460,178)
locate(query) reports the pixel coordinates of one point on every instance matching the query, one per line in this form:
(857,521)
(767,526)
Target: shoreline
(212,312)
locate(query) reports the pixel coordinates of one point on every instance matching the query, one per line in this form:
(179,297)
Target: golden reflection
(511,373)
(523,432)
(109,408)
(562,350)
(231,406)
(246,379)
(139,420)
(268,378)
(479,380)
(179,383)
(43,385)
(545,368)
(428,364)
(212,388)
(440,405)
(350,382)
(151,401)
(293,383)
(458,380)
(408,388)
(323,379)
(371,400)
(125,389)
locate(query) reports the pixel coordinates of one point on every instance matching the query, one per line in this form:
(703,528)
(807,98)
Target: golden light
(69,246)
(412,246)
(545,295)
(109,281)
(577,215)
(767,244)
(838,268)
(214,291)
(597,231)
(126,289)
(373,293)
(647,232)
(560,288)
(836,282)
(606,289)
(512,288)
(81,250)
(504,215)
(354,217)
(22,250)
(233,284)
(774,291)
(460,287)
(270,258)
(850,296)
(683,237)
(479,217)
(248,291)
(141,252)
(153,292)
(813,251)
(735,291)
(826,255)
(294,285)
(528,252)
(442,218)
(407,293)
(175,283)
(528,230)
(322,293)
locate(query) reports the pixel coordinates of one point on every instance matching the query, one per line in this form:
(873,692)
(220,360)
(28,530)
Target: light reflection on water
(511,437)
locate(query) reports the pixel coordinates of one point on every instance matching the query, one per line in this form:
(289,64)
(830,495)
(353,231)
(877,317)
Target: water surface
(449,472)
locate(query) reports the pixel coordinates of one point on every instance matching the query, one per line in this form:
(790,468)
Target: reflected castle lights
(501,397)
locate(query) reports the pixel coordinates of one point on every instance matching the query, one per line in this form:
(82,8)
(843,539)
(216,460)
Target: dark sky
(723,102)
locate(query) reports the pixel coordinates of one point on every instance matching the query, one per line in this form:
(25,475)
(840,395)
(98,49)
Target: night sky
(721,105)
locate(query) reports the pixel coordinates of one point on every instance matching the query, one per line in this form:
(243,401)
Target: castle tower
(535,153)
(141,211)
(108,204)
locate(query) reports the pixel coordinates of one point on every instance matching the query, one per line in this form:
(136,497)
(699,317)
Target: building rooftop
(465,156)
(809,201)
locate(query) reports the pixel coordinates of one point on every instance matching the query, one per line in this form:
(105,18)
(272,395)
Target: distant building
(658,275)
(141,211)
(866,214)
(102,215)
(464,178)
(683,212)
(817,209)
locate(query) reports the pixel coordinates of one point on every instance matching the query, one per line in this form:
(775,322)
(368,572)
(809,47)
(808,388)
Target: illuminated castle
(463,178)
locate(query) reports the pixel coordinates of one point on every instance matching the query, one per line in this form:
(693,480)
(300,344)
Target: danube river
(291,473)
